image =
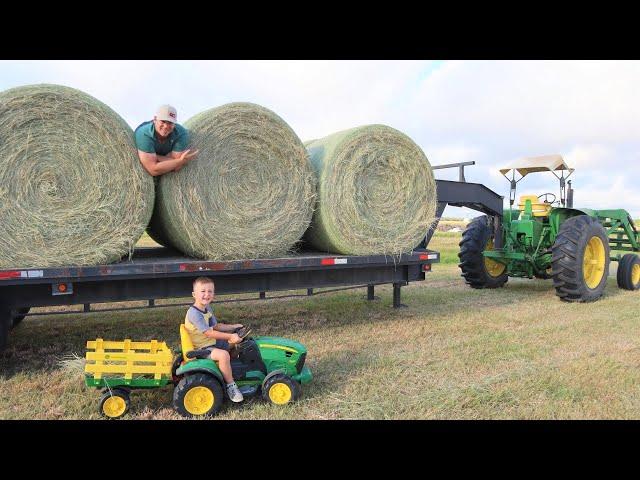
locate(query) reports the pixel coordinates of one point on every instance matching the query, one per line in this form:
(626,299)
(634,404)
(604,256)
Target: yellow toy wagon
(119,367)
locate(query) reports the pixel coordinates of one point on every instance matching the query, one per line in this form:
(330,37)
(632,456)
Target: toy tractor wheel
(114,403)
(198,395)
(629,272)
(281,389)
(477,270)
(580,260)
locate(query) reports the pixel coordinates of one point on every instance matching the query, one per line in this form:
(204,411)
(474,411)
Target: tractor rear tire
(629,272)
(478,271)
(198,395)
(580,260)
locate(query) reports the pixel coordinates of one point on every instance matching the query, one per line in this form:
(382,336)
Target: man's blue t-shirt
(146,141)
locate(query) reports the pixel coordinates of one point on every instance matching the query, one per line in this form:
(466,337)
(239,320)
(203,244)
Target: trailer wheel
(580,260)
(198,395)
(629,272)
(19,316)
(477,270)
(114,403)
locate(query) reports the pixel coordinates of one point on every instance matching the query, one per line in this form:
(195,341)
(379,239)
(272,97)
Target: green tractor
(548,238)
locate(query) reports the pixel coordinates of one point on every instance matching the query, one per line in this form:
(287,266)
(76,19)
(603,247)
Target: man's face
(163,128)
(203,293)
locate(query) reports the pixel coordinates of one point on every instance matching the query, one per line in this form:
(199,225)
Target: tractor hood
(280,343)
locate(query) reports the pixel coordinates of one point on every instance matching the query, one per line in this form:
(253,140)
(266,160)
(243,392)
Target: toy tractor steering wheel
(545,197)
(243,333)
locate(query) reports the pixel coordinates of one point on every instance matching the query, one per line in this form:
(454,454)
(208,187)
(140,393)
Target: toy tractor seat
(539,209)
(188,350)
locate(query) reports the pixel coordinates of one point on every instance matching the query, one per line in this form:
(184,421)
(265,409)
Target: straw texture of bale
(376,192)
(248,194)
(72,190)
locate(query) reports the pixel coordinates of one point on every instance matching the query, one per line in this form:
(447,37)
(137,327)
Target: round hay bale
(376,192)
(72,190)
(248,194)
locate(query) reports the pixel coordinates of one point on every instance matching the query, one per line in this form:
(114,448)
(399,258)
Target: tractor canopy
(545,163)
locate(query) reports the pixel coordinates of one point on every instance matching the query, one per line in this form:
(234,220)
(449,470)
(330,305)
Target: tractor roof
(544,163)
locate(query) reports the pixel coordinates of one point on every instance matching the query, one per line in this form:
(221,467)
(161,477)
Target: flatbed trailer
(159,272)
(154,273)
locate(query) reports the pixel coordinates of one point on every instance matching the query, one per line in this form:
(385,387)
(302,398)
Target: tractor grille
(300,362)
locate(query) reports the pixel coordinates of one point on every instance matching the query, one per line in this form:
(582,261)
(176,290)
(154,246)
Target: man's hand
(185,157)
(234,338)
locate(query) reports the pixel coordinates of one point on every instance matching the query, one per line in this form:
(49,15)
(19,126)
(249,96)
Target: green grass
(453,353)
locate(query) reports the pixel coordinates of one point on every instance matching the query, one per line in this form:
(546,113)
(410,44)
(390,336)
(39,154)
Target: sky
(489,112)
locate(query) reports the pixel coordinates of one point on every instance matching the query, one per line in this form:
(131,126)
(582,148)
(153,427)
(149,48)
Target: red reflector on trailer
(328,261)
(10,274)
(424,256)
(182,267)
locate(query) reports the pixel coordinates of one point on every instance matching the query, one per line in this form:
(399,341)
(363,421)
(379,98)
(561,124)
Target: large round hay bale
(248,194)
(376,192)
(72,190)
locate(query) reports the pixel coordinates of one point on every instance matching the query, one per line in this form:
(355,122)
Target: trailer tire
(478,271)
(114,403)
(629,272)
(580,260)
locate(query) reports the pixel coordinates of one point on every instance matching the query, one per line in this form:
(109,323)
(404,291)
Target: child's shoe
(234,392)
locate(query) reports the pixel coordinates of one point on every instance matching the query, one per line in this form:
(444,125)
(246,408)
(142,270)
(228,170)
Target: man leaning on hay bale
(162,143)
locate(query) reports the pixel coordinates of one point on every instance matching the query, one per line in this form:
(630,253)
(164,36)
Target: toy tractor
(549,238)
(273,366)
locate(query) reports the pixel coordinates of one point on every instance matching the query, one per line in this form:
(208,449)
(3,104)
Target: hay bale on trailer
(249,193)
(376,192)
(72,190)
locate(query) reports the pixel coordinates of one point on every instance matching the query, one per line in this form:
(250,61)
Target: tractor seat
(185,342)
(539,209)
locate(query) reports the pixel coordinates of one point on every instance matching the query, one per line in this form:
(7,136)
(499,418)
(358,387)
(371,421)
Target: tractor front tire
(281,389)
(198,395)
(580,260)
(629,272)
(477,270)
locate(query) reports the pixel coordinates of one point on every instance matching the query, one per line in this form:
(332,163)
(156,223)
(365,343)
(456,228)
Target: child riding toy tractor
(274,366)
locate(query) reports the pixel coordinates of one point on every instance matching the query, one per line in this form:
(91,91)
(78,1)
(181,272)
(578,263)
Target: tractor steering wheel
(545,197)
(243,332)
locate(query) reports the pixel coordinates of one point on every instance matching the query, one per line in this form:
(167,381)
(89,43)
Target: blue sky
(490,112)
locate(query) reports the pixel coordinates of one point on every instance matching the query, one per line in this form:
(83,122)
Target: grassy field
(453,353)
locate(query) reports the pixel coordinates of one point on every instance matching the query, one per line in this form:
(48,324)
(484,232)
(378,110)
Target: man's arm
(158,164)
